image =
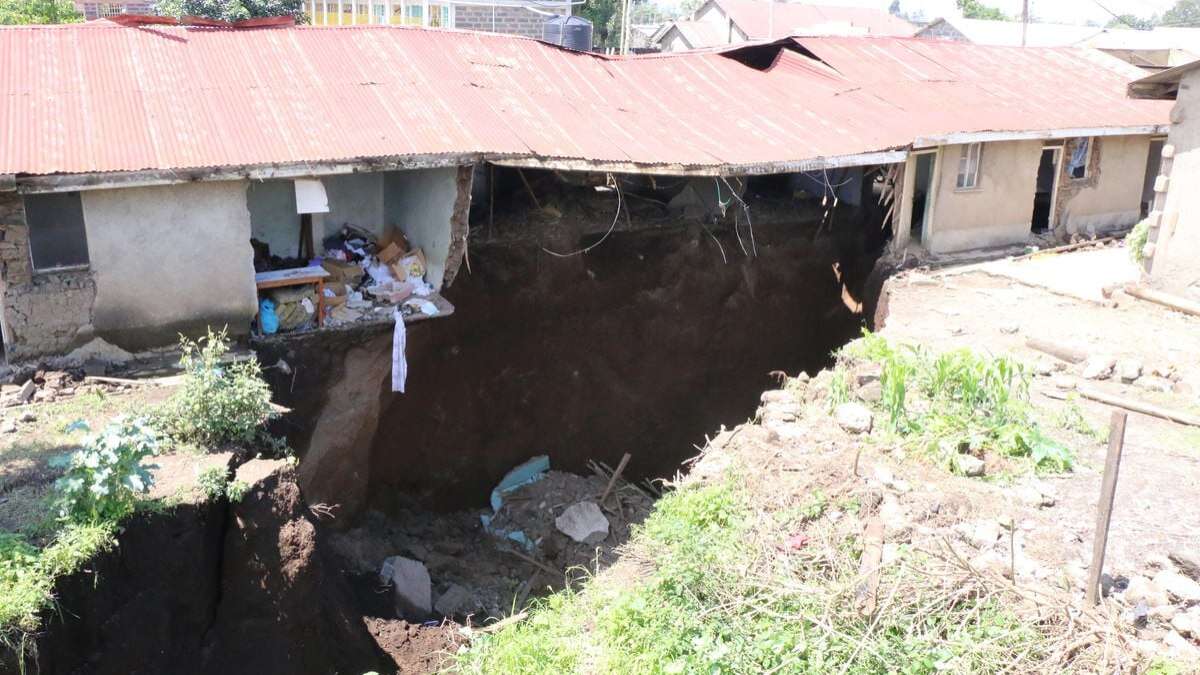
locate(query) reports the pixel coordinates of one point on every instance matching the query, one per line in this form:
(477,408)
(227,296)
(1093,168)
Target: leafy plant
(236,490)
(104,477)
(1135,241)
(212,481)
(219,402)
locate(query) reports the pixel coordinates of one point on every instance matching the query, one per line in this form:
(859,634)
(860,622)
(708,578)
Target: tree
(602,14)
(1132,21)
(974,9)
(1184,13)
(22,12)
(232,10)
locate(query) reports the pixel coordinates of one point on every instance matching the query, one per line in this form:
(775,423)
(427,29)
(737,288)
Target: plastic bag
(268,323)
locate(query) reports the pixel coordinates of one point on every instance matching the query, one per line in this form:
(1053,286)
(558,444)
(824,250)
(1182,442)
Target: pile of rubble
(551,528)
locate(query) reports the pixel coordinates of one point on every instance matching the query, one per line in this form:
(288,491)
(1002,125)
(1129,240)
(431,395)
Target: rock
(777,396)
(1142,589)
(854,417)
(982,534)
(1188,563)
(993,562)
(583,522)
(884,475)
(1187,623)
(27,391)
(456,600)
(1154,383)
(1009,328)
(1035,496)
(1129,370)
(1178,586)
(8,426)
(969,465)
(1098,368)
(871,392)
(411,586)
(1064,382)
(28,416)
(1181,646)
(1044,367)
(99,350)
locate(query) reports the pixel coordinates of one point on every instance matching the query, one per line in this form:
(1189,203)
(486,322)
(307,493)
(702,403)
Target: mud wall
(1110,197)
(639,346)
(210,588)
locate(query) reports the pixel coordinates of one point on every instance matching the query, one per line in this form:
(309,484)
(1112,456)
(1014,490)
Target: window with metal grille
(57,238)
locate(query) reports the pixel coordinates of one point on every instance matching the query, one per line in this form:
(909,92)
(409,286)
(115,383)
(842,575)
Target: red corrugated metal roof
(100,97)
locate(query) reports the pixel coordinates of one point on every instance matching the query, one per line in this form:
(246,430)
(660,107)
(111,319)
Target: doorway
(1153,164)
(922,193)
(1047,188)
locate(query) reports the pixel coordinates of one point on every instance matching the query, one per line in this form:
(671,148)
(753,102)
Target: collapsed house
(147,193)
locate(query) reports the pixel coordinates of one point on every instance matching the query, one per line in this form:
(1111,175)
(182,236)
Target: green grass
(940,404)
(718,598)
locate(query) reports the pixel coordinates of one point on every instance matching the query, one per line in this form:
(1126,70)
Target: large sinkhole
(669,325)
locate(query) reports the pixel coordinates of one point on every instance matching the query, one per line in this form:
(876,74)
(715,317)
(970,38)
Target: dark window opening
(1043,196)
(922,189)
(57,238)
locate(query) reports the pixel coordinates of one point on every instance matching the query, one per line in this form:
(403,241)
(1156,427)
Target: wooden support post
(1108,490)
(1058,351)
(307,246)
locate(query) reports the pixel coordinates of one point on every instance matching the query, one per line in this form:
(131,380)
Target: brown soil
(413,648)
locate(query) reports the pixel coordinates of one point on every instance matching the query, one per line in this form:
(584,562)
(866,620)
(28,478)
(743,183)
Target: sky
(1057,11)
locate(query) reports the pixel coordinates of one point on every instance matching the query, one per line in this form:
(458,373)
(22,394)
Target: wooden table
(299,276)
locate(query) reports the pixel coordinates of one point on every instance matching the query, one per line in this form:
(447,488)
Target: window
(1081,156)
(968,166)
(57,239)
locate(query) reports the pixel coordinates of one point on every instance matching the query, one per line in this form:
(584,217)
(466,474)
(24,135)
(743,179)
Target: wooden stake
(613,479)
(1165,299)
(1139,407)
(1108,490)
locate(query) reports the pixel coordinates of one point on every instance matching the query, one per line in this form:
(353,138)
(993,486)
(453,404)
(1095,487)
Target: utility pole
(625,27)
(1024,20)
(770,19)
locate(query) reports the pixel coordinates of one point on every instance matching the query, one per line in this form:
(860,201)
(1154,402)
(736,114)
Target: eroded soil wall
(638,346)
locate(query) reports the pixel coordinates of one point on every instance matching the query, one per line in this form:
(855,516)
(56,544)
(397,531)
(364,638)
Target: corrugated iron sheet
(100,97)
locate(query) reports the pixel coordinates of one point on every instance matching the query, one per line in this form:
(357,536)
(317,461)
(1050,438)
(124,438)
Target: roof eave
(960,137)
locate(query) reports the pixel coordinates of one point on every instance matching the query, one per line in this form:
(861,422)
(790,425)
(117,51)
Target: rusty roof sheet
(101,97)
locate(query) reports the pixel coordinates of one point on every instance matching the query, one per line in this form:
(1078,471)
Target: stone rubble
(854,417)
(412,588)
(583,522)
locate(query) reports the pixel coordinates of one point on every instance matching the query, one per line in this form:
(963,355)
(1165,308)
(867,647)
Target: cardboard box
(410,266)
(342,272)
(390,253)
(393,235)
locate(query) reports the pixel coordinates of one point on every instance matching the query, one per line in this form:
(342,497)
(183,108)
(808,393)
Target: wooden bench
(299,276)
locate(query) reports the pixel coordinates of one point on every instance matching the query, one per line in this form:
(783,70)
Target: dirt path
(1061,298)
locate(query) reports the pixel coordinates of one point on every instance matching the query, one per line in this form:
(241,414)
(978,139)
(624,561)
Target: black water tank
(572,32)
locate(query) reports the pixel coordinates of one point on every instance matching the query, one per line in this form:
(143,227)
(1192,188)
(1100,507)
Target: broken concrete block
(969,465)
(1178,586)
(27,391)
(456,600)
(583,522)
(412,589)
(1188,563)
(1099,368)
(854,417)
(1129,370)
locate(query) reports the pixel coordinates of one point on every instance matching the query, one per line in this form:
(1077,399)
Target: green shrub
(218,402)
(104,477)
(236,490)
(212,481)
(1136,240)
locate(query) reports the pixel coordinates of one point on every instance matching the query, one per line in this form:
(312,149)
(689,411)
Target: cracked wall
(44,313)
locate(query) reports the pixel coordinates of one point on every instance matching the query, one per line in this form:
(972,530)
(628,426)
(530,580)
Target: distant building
(1157,49)
(509,17)
(726,22)
(103,10)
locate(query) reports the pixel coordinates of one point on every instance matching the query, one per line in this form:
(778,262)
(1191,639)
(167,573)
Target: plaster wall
(1175,261)
(422,203)
(998,212)
(1110,198)
(168,260)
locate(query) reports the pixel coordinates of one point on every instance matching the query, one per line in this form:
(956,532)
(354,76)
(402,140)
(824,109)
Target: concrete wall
(422,203)
(997,213)
(355,198)
(169,259)
(1110,197)
(273,217)
(1174,263)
